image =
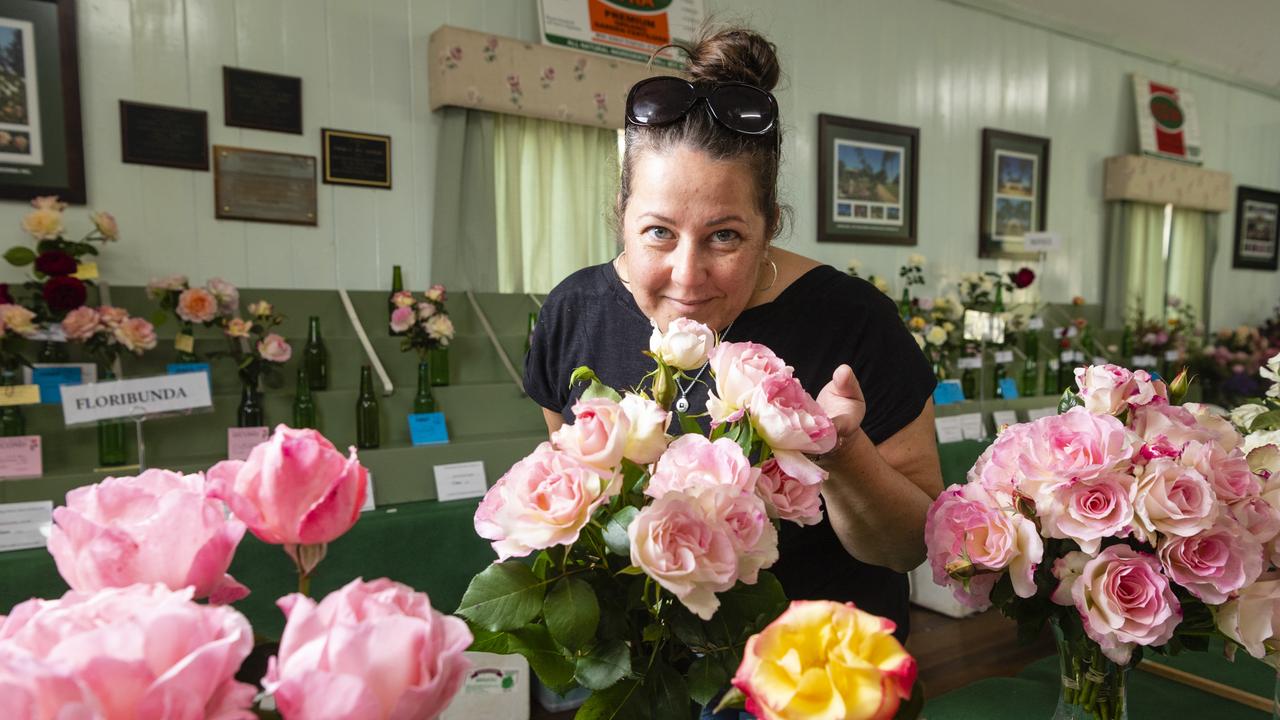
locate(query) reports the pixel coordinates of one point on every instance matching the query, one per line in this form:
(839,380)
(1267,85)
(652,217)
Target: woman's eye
(723,236)
(659,233)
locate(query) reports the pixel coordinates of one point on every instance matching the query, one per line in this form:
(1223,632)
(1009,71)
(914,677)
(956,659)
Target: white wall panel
(947,69)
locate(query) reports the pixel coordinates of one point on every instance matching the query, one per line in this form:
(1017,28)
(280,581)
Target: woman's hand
(842,400)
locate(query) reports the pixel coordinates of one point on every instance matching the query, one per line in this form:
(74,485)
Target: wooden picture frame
(162,135)
(1014,194)
(1256,241)
(41,139)
(261,100)
(264,186)
(355,158)
(868,181)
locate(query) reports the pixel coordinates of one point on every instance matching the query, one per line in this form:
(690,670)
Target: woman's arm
(554,420)
(877,495)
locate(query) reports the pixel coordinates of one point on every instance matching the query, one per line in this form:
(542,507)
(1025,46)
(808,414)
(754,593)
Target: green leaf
(622,701)
(668,693)
(753,606)
(615,531)
(689,629)
(1068,401)
(707,676)
(545,657)
(572,612)
(20,255)
(632,476)
(1266,421)
(598,390)
(541,563)
(605,665)
(504,596)
(488,641)
(159,318)
(631,570)
(689,426)
(582,373)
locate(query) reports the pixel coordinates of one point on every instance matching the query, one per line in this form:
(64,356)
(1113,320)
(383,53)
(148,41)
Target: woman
(697,212)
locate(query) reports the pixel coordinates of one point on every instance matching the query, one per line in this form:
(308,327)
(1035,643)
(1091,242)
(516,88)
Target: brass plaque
(264,186)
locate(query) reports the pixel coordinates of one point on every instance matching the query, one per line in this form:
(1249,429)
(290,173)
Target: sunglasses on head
(738,106)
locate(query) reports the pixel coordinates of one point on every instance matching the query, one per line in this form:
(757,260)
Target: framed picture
(261,100)
(41,150)
(354,158)
(867,181)
(1257,220)
(1014,199)
(162,135)
(264,186)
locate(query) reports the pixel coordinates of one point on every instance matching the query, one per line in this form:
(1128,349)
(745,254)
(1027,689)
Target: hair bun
(734,55)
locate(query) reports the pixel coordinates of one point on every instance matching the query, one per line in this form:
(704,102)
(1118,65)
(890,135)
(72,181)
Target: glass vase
(112,435)
(1090,686)
(184,345)
(439,360)
(13,423)
(423,400)
(250,413)
(52,351)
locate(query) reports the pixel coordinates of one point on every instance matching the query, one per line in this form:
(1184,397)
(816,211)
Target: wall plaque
(352,158)
(264,186)
(262,101)
(162,135)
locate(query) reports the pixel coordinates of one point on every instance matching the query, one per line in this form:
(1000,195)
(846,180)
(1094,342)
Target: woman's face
(694,237)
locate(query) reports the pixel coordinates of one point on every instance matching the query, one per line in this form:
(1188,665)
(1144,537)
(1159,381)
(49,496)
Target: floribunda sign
(140,397)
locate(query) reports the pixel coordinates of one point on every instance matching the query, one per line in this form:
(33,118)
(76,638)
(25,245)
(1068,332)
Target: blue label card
(196,367)
(948,392)
(428,429)
(1009,388)
(51,379)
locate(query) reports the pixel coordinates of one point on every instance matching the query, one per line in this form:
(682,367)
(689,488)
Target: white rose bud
(647,436)
(684,345)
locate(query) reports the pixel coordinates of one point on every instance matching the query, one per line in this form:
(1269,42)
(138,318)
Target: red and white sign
(1168,126)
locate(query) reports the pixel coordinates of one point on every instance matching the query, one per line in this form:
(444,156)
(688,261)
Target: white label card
(25,525)
(1145,361)
(456,481)
(949,429)
(131,398)
(1035,323)
(1037,413)
(1099,360)
(242,440)
(1042,241)
(1172,355)
(368,494)
(971,426)
(1004,417)
(1071,330)
(973,362)
(1004,356)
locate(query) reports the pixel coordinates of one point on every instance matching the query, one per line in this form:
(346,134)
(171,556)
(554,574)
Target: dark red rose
(55,263)
(1023,277)
(64,294)
(5,297)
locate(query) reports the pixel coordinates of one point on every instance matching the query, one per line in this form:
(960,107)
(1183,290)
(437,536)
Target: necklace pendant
(682,405)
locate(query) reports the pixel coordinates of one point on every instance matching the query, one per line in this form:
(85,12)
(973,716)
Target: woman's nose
(688,267)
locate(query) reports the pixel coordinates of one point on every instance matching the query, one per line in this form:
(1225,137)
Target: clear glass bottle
(397,285)
(304,406)
(315,357)
(368,417)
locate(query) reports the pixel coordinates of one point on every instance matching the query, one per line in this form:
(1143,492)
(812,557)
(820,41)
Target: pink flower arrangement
(423,323)
(107,330)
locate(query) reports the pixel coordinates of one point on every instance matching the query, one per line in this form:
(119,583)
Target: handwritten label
(20,457)
(1004,356)
(19,395)
(456,481)
(973,362)
(1008,388)
(184,343)
(242,440)
(131,398)
(1004,418)
(86,271)
(1042,241)
(948,392)
(949,430)
(368,494)
(1037,413)
(971,426)
(25,524)
(428,429)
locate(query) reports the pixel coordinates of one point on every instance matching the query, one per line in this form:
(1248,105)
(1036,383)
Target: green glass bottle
(904,305)
(423,400)
(53,352)
(1051,377)
(315,357)
(368,430)
(439,359)
(304,406)
(969,383)
(12,421)
(112,435)
(1126,346)
(1031,363)
(184,345)
(1066,376)
(397,285)
(250,413)
(998,305)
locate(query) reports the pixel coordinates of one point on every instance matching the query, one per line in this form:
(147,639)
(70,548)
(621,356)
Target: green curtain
(1188,270)
(554,189)
(464,249)
(1134,274)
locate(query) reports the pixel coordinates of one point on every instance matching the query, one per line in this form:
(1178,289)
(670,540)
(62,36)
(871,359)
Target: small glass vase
(439,359)
(112,435)
(1090,687)
(423,400)
(250,413)
(13,423)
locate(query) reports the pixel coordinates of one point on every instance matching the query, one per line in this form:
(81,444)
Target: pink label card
(242,440)
(20,457)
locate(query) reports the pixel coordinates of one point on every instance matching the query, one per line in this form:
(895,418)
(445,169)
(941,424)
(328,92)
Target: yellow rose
(18,319)
(916,323)
(43,224)
(823,660)
(936,335)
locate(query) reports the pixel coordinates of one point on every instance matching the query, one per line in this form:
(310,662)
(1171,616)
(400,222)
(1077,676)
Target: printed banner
(1168,125)
(627,29)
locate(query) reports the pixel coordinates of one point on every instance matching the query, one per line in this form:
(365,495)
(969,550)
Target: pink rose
(1228,472)
(1067,570)
(788,418)
(261,309)
(684,345)
(112,316)
(739,368)
(157,288)
(374,650)
(997,468)
(81,324)
(969,536)
(1076,444)
(143,651)
(1214,564)
(543,501)
(1252,618)
(647,429)
(1170,423)
(1216,425)
(687,550)
(439,328)
(1257,517)
(295,489)
(402,318)
(1172,499)
(197,305)
(755,539)
(426,310)
(693,464)
(227,295)
(158,527)
(1104,388)
(598,435)
(137,334)
(1146,390)
(106,224)
(1089,510)
(32,688)
(404,298)
(1124,600)
(787,498)
(238,328)
(43,224)
(274,348)
(436,293)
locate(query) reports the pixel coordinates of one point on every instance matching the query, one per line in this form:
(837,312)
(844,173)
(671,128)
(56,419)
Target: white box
(929,595)
(496,687)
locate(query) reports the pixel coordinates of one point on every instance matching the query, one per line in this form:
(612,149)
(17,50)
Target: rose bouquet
(649,553)
(1230,361)
(215,303)
(1129,521)
(106,331)
(424,323)
(257,350)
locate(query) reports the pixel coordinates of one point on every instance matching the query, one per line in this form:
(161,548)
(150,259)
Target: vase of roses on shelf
(60,271)
(1129,522)
(210,306)
(17,324)
(650,554)
(258,352)
(424,327)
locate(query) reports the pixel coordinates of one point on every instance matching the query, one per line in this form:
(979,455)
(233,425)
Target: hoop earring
(616,267)
(775,275)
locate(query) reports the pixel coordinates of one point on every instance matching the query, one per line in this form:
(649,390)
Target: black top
(821,320)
